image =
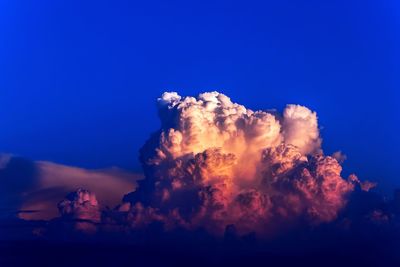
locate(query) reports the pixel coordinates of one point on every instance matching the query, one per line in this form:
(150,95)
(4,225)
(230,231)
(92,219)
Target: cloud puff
(215,163)
(300,128)
(82,209)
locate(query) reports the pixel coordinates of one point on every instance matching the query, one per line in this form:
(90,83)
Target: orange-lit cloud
(212,164)
(215,163)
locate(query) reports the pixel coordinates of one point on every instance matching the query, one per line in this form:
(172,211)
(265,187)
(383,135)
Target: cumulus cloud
(215,163)
(300,128)
(82,209)
(32,189)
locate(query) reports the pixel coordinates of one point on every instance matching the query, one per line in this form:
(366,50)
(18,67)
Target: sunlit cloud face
(215,163)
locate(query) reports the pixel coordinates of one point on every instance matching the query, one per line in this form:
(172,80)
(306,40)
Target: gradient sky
(79,79)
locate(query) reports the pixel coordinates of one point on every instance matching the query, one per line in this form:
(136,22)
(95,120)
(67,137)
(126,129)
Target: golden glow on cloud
(215,163)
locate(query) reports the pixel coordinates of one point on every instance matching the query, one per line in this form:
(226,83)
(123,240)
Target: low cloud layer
(32,189)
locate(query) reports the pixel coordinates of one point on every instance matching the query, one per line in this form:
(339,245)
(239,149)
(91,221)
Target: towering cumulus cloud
(82,208)
(216,163)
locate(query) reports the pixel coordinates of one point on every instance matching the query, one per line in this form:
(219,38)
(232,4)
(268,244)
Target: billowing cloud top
(219,169)
(82,208)
(215,163)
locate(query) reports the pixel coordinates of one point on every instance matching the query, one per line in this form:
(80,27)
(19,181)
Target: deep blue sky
(78,79)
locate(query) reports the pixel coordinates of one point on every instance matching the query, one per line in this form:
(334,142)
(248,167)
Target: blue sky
(79,79)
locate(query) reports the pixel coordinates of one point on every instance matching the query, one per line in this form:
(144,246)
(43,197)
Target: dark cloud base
(365,234)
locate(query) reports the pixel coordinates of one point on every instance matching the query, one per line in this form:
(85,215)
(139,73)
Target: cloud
(214,168)
(82,209)
(17,177)
(215,163)
(339,156)
(33,188)
(300,128)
